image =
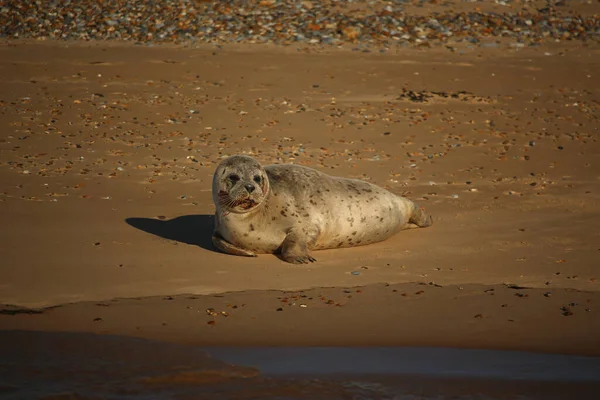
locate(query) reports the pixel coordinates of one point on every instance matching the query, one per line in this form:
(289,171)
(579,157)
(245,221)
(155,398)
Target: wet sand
(468,316)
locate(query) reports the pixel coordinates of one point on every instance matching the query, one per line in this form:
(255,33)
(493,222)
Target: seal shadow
(195,230)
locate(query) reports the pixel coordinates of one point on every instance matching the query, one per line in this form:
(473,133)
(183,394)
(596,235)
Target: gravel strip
(283,22)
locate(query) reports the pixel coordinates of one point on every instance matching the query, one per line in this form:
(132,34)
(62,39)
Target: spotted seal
(291,210)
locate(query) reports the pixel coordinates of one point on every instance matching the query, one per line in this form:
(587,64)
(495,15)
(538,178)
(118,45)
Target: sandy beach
(107,169)
(108,147)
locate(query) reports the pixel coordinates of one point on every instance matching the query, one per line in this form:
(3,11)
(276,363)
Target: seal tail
(420,218)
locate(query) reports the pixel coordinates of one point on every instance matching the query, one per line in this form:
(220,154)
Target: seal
(290,210)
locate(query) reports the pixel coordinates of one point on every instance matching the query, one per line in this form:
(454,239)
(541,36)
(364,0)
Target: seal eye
(257,178)
(234,178)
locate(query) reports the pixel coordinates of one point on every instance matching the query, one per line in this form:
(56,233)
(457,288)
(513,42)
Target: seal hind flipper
(229,248)
(420,218)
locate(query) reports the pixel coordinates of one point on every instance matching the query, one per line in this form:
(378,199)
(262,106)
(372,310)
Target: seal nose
(249,187)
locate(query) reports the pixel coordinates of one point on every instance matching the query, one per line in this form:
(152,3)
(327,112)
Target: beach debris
(566,311)
(211,312)
(425,96)
(514,286)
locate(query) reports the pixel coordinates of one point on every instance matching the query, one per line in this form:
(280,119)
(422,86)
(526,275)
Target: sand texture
(108,153)
(107,150)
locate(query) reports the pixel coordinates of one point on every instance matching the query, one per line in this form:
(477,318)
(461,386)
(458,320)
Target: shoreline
(496,317)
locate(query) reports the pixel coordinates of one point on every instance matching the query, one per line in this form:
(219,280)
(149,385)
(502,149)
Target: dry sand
(107,152)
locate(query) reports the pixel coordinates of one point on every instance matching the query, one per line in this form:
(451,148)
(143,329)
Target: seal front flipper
(228,248)
(296,246)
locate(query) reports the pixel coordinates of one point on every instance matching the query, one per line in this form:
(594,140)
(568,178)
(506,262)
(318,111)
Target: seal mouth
(246,204)
(242,204)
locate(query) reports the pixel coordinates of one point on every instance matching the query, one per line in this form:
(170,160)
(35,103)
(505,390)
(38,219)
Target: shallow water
(439,362)
(41,365)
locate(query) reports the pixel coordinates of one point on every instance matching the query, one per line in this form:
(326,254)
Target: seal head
(240,185)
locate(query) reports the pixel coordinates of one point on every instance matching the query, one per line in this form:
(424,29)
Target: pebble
(327,22)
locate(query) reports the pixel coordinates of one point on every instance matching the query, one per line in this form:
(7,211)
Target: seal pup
(291,210)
